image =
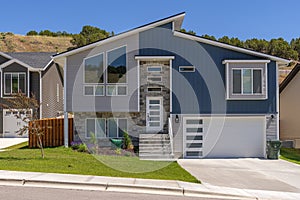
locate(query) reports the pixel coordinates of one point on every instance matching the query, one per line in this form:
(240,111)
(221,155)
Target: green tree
(188,32)
(210,37)
(46,33)
(32,32)
(295,45)
(281,48)
(89,34)
(224,39)
(260,45)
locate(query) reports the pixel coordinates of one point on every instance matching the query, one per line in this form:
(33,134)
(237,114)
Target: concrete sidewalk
(133,185)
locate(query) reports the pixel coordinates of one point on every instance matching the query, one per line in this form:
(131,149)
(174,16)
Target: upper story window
(246,79)
(93,69)
(14,83)
(117,65)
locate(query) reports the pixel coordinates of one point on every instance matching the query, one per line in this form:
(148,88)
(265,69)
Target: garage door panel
(231,137)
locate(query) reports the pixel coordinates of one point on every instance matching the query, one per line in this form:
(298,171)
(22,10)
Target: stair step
(143,136)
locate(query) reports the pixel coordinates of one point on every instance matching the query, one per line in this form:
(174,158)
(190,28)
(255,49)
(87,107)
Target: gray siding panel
(77,102)
(271,128)
(203,91)
(51,104)
(35,84)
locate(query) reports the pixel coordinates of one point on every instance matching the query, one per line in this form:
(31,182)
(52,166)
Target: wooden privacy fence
(53,132)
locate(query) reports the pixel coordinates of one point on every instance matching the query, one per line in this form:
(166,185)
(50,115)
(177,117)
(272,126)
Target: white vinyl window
(95,126)
(94,90)
(154,69)
(116,127)
(116,90)
(186,69)
(14,83)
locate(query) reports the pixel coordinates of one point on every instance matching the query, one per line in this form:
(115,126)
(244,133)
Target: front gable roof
(289,77)
(36,60)
(177,19)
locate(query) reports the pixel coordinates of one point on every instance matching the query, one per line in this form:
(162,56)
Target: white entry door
(154,114)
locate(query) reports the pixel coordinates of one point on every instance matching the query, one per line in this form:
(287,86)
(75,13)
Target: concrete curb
(115,187)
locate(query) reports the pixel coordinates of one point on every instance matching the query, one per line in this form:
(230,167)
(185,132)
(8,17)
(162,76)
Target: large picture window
(117,65)
(246,79)
(14,83)
(93,69)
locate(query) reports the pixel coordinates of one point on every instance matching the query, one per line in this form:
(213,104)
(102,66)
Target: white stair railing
(171,135)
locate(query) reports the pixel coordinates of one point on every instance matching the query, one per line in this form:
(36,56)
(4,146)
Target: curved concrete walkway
(248,173)
(7,142)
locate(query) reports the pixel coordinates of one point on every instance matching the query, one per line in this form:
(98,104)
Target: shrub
(82,148)
(127,141)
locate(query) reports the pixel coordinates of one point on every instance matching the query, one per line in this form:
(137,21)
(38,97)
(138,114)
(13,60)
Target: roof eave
(281,61)
(289,78)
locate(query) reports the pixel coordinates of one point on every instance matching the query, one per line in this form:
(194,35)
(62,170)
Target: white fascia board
(154,57)
(6,64)
(48,64)
(234,48)
(5,55)
(245,61)
(117,37)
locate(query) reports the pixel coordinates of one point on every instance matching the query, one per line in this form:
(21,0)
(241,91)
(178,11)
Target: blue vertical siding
(203,91)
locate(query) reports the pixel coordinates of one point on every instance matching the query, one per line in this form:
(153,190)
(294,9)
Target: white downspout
(66,122)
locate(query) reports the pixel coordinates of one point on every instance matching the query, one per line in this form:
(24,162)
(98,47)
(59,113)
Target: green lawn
(65,160)
(289,154)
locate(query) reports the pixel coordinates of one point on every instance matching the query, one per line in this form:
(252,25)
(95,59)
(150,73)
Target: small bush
(82,148)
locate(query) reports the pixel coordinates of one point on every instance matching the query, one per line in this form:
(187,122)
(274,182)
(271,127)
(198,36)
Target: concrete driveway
(249,173)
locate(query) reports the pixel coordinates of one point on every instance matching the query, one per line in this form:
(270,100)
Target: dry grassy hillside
(20,43)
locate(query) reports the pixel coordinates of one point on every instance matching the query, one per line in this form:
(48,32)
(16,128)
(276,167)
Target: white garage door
(11,123)
(224,137)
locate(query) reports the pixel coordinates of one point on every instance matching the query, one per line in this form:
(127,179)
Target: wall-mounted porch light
(176,119)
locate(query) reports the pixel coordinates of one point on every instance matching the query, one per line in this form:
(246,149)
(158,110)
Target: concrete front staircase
(155,147)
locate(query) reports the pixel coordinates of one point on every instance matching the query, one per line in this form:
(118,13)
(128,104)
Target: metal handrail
(171,135)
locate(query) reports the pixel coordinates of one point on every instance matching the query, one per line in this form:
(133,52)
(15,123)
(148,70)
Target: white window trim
(102,69)
(117,90)
(228,71)
(154,67)
(190,67)
(106,65)
(94,90)
(95,124)
(117,122)
(11,73)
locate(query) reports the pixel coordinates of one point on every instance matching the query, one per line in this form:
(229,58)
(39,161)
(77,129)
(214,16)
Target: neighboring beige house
(290,108)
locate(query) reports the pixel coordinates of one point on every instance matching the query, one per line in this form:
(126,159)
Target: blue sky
(235,18)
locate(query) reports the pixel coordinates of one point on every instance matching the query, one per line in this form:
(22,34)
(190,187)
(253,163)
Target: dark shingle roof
(33,59)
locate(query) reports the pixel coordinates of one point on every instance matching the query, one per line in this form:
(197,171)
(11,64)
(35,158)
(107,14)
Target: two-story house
(175,93)
(31,73)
